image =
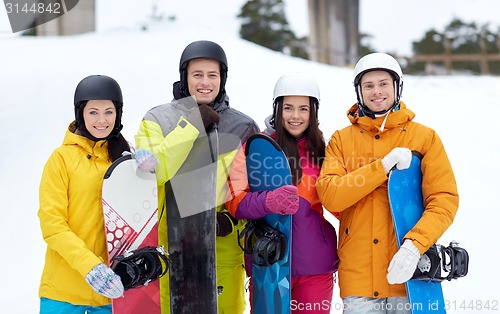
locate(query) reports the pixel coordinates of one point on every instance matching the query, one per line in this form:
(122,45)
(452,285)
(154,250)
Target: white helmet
(296,84)
(378,61)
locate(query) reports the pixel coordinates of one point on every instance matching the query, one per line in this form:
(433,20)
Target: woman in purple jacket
(294,126)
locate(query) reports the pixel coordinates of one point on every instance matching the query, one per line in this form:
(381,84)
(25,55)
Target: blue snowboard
(405,198)
(268,169)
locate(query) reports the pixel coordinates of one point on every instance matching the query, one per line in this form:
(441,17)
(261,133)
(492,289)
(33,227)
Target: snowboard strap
(457,263)
(266,244)
(140,267)
(452,259)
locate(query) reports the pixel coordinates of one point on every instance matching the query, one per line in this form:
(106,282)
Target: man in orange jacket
(353,182)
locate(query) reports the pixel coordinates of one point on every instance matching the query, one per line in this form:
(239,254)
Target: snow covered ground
(37,81)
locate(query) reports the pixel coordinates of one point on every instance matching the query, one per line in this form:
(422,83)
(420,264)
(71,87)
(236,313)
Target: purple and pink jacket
(314,240)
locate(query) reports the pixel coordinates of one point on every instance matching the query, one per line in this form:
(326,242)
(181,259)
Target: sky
(36,93)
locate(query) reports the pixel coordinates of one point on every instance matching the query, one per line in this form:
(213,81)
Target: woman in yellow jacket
(75,278)
(353,182)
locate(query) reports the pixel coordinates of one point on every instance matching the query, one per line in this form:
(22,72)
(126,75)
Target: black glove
(225,224)
(209,116)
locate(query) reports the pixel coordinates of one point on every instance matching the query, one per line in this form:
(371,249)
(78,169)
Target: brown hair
(315,143)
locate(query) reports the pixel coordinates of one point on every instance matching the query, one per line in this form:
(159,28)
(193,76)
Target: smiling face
(377,90)
(99,117)
(203,79)
(295,114)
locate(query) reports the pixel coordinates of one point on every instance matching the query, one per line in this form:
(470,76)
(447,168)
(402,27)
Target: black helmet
(203,49)
(98,87)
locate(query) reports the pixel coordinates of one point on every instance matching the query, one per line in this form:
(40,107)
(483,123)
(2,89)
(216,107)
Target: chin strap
(382,127)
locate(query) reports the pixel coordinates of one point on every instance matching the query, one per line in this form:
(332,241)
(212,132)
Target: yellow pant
(231,278)
(232,299)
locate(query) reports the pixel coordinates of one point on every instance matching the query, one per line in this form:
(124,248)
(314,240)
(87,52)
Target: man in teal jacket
(170,130)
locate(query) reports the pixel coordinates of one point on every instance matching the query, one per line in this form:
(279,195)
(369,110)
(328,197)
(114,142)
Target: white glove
(146,161)
(399,157)
(403,263)
(105,282)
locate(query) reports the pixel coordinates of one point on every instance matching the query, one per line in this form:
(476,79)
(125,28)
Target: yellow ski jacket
(71,219)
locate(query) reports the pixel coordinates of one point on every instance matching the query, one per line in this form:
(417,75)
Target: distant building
(79,19)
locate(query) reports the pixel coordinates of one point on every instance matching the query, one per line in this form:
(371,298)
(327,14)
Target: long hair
(117,145)
(315,143)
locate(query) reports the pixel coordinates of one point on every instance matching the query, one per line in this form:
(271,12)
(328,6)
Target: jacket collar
(269,128)
(394,119)
(221,105)
(98,149)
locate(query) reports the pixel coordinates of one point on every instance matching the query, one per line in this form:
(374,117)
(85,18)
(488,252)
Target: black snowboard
(190,208)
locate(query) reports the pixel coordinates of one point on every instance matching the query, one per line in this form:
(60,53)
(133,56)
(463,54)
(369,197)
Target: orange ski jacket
(353,183)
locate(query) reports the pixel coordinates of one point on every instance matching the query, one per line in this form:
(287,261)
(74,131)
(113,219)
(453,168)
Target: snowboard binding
(266,245)
(452,259)
(140,267)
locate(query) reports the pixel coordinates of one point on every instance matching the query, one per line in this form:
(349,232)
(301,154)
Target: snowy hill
(37,81)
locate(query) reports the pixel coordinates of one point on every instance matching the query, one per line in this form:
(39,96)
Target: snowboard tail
(406,203)
(267,169)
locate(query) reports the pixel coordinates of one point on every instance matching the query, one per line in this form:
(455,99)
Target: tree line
(264,22)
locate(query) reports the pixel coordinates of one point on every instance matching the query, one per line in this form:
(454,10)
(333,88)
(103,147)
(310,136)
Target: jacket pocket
(346,218)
